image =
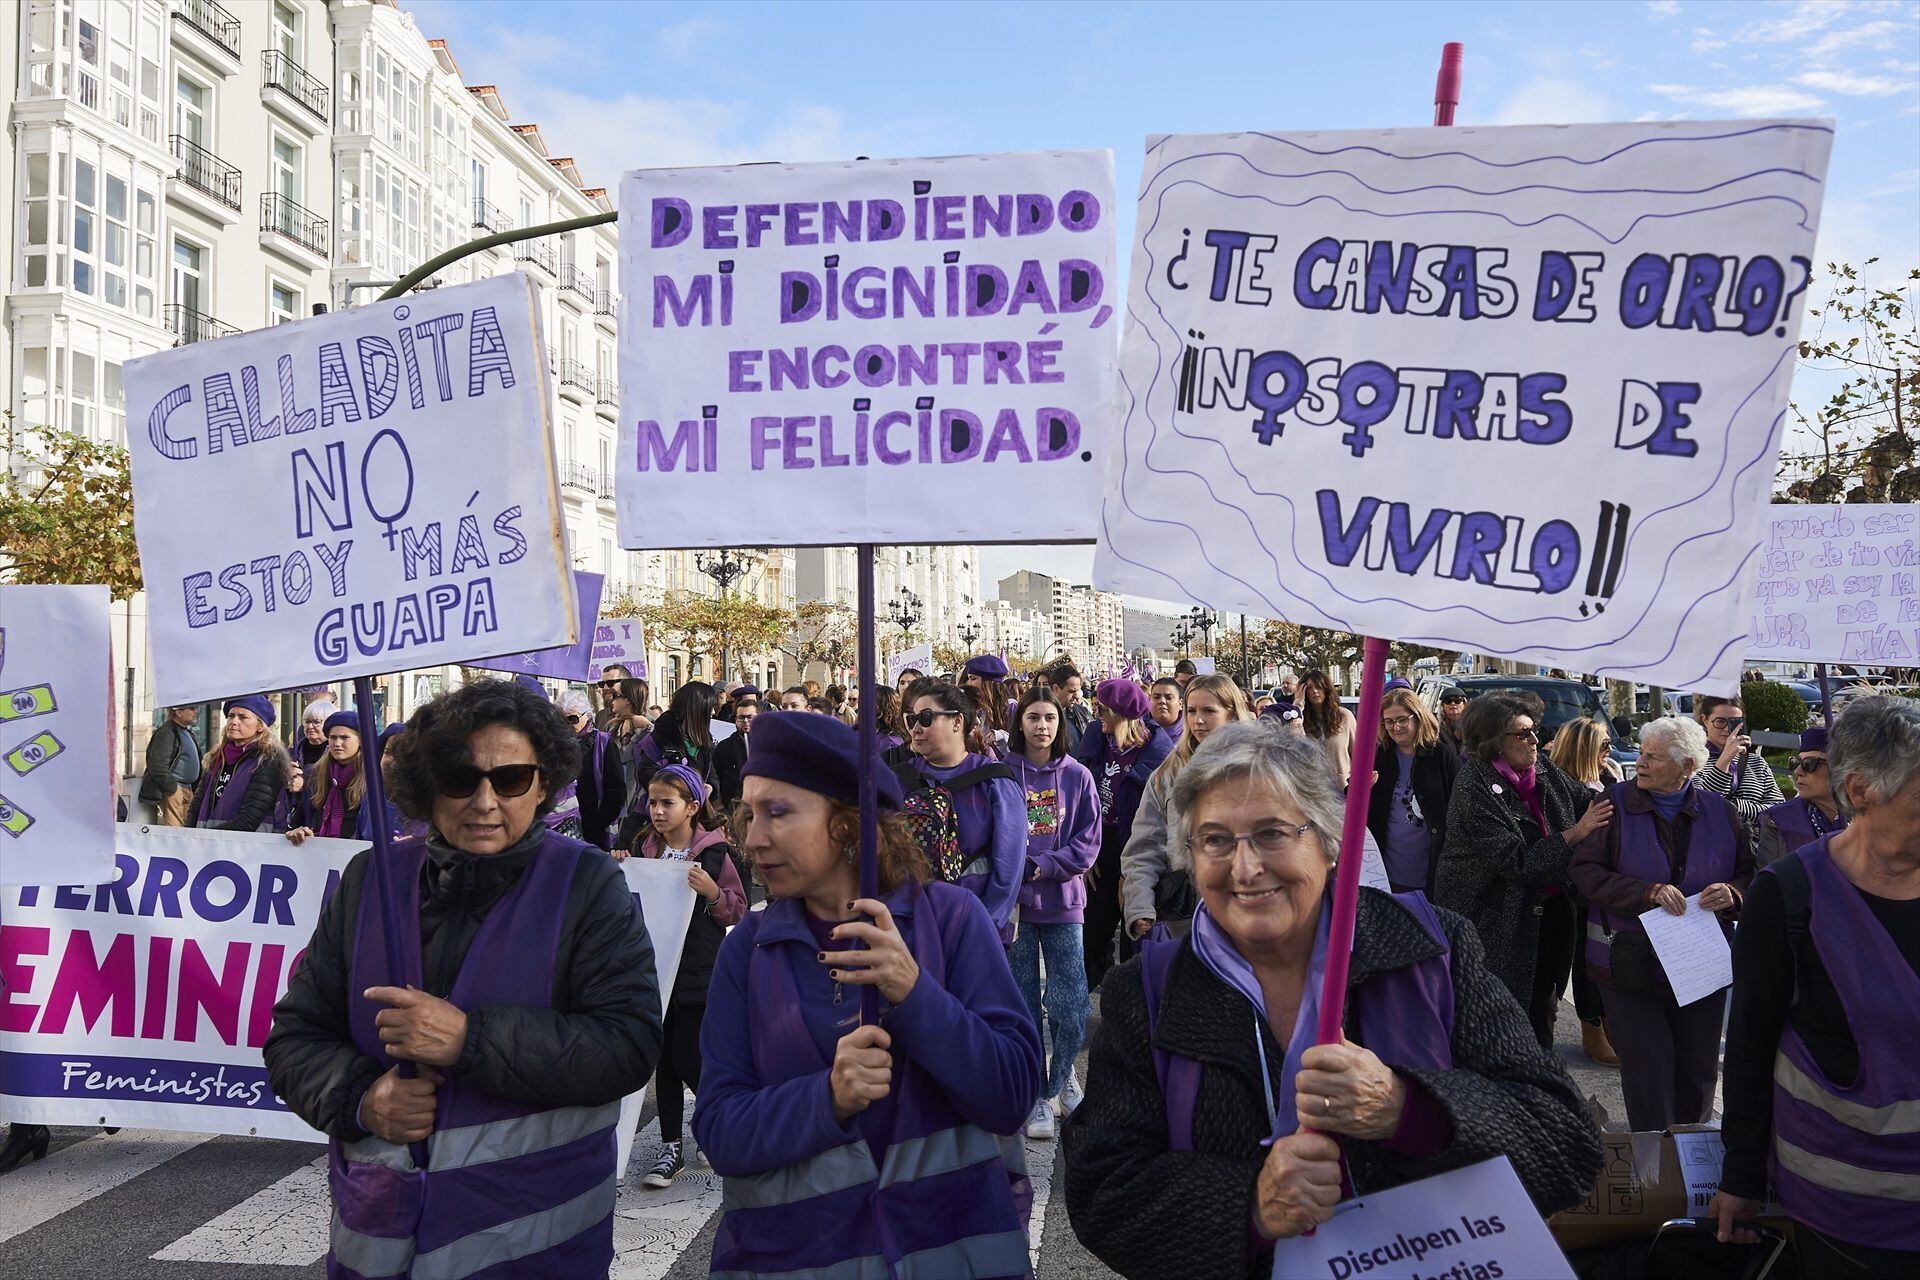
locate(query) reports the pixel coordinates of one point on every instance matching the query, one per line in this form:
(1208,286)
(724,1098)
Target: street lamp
(1182,636)
(1203,623)
(905,612)
(969,632)
(724,570)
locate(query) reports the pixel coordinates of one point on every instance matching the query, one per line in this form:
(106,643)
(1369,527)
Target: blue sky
(622,86)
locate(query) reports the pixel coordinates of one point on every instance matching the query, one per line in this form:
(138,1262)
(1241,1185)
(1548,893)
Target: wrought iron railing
(294,221)
(191,325)
(211,21)
(204,171)
(292,79)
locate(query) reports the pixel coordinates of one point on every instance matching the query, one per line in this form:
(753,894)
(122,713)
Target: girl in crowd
(1412,786)
(1580,749)
(333,798)
(801,1104)
(1151,887)
(1327,722)
(1121,751)
(1814,810)
(1063,838)
(243,777)
(684,829)
(987,802)
(1736,771)
(985,677)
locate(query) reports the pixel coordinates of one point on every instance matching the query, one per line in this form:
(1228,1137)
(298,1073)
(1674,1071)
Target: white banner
(361,492)
(57,781)
(145,1001)
(928,346)
(621,640)
(1837,584)
(918,658)
(1513,390)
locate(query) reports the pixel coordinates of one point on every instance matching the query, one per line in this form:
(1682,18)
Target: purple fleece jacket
(1063,838)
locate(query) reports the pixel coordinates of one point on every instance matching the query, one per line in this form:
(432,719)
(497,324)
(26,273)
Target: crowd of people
(1167,846)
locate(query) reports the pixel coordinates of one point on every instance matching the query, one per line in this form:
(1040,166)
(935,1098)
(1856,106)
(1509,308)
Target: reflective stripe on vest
(372,1150)
(834,1169)
(1003,1255)
(948,1150)
(519,1136)
(1849,1179)
(1894,1118)
(519,1238)
(1597,932)
(370,1256)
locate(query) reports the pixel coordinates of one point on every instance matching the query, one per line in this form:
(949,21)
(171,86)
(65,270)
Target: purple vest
(227,806)
(1405,1016)
(1800,824)
(1710,860)
(946,1199)
(508,1187)
(1839,1150)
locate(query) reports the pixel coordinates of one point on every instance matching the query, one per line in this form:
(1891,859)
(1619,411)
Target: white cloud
(1552,100)
(1857,86)
(1879,34)
(683,40)
(1807,17)
(1661,10)
(1748,100)
(1706,40)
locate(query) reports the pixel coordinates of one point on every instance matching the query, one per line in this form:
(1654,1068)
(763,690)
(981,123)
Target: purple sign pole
(868,662)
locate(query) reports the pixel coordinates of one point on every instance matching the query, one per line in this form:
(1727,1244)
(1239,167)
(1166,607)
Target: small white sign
(919,658)
(623,641)
(1839,584)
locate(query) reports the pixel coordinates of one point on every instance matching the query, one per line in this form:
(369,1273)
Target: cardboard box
(1645,1179)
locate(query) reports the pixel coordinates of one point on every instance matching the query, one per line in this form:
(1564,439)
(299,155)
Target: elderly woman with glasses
(1674,846)
(469,1084)
(1814,810)
(1512,823)
(1213,1126)
(591,806)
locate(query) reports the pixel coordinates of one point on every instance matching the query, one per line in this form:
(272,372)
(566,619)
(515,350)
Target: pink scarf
(1528,785)
(333,813)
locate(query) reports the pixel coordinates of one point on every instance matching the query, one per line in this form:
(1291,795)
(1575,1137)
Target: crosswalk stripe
(284,1224)
(44,1189)
(1040,1159)
(651,1228)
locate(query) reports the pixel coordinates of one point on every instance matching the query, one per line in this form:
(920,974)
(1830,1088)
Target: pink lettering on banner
(16,943)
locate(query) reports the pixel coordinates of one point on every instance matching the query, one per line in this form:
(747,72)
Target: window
(478,173)
(146,223)
(283,302)
(288,168)
(191,288)
(116,243)
(192,108)
(86,227)
(286,31)
(526,212)
(37,213)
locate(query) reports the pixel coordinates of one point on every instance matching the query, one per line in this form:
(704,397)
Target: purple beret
(1814,738)
(988,666)
(817,754)
(1123,697)
(745,691)
(1398,682)
(342,720)
(257,703)
(528,683)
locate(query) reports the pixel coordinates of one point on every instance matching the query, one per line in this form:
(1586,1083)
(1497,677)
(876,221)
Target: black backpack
(928,809)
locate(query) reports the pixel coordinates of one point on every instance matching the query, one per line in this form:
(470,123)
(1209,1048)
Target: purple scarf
(333,811)
(1528,786)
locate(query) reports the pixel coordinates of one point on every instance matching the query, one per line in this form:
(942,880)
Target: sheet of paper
(1692,950)
(1701,1153)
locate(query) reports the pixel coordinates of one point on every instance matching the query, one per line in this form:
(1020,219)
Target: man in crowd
(173,767)
(1066,685)
(1184,671)
(610,677)
(730,757)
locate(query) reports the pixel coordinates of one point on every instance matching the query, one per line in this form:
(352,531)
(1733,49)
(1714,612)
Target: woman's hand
(862,1071)
(1728,1212)
(296,779)
(701,883)
(1668,899)
(1737,745)
(1139,928)
(419,1027)
(1598,815)
(299,835)
(1716,897)
(1299,1185)
(886,963)
(1344,1088)
(619,854)
(398,1109)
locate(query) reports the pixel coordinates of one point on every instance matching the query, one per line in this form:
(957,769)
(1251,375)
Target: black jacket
(1434,769)
(1496,866)
(601,788)
(597,1043)
(667,744)
(729,758)
(257,806)
(1151,1212)
(164,751)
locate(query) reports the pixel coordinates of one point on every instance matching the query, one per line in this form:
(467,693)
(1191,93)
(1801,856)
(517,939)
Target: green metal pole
(426,269)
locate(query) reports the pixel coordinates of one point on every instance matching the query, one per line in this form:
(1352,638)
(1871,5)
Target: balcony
(578,283)
(191,325)
(209,28)
(606,397)
(282,80)
(539,253)
(575,475)
(576,381)
(489,219)
(288,225)
(207,176)
(605,494)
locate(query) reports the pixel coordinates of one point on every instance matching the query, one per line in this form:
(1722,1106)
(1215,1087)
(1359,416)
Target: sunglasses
(576,718)
(609,684)
(1525,735)
(1809,764)
(925,719)
(509,780)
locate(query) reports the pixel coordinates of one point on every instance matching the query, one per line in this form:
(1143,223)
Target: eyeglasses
(1525,735)
(1728,723)
(1269,841)
(457,782)
(1396,722)
(925,719)
(1809,764)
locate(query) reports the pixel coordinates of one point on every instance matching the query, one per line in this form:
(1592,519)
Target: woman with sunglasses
(1814,810)
(1413,775)
(493,1049)
(590,808)
(1736,771)
(1512,823)
(990,810)
(802,1107)
(1121,751)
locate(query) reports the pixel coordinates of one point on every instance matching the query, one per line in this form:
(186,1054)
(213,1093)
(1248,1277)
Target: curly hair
(1488,717)
(439,734)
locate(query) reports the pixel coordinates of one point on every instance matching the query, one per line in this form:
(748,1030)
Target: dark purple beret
(815,753)
(1122,697)
(258,703)
(988,666)
(1814,738)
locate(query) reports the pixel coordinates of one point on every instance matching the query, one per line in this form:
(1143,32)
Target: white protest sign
(57,781)
(623,641)
(1515,391)
(927,346)
(1838,584)
(919,658)
(666,904)
(361,492)
(1475,1223)
(1701,1154)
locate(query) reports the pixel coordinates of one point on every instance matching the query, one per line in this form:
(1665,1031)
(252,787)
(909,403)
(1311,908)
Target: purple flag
(563,662)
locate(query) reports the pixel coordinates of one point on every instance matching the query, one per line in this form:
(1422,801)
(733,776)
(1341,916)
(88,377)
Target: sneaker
(666,1168)
(1040,1122)
(1070,1094)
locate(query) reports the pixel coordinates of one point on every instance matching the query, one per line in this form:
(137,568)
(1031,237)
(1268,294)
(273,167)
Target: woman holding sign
(1212,1124)
(1673,847)
(1822,1077)
(522,994)
(801,1107)
(241,779)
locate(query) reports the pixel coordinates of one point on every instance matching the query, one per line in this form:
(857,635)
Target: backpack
(928,809)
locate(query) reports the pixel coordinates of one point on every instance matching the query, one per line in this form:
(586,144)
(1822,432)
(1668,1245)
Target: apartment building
(1083,624)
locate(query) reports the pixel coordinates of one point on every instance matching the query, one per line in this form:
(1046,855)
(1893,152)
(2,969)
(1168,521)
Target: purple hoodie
(993,836)
(1063,838)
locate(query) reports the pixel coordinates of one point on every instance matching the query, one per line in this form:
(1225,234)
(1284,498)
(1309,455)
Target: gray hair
(1877,740)
(1257,752)
(573,702)
(1684,737)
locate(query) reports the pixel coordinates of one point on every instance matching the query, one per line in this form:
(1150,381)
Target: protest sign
(57,781)
(568,661)
(145,1001)
(1475,1223)
(919,658)
(357,493)
(1587,332)
(621,640)
(666,902)
(929,345)
(1837,584)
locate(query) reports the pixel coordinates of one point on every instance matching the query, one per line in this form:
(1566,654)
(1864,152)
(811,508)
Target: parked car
(1565,700)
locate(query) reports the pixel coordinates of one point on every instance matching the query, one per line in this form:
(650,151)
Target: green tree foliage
(1865,338)
(66,511)
(1773,707)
